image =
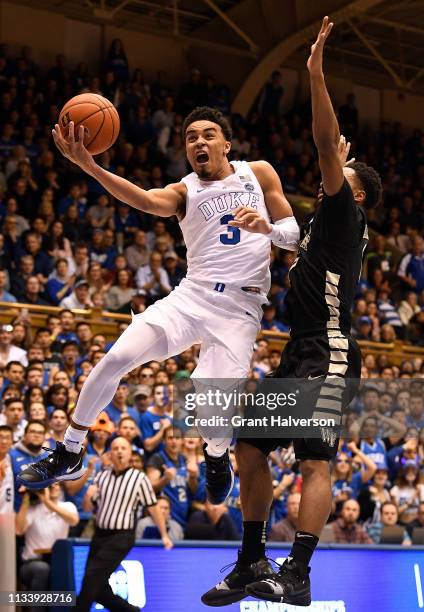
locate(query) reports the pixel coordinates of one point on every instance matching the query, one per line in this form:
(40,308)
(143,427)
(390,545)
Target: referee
(115,495)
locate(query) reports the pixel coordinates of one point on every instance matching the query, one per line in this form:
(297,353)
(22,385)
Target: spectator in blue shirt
(119,406)
(411,267)
(5,296)
(60,283)
(170,475)
(127,222)
(269,322)
(154,422)
(27,451)
(74,197)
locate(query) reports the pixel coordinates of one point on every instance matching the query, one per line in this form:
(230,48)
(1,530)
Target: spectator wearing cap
(8,351)
(60,282)
(364,325)
(142,395)
(174,271)
(99,436)
(5,296)
(119,405)
(405,492)
(121,293)
(79,298)
(389,516)
(137,254)
(346,529)
(153,278)
(137,304)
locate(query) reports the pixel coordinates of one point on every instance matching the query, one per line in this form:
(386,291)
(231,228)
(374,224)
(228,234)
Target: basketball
(99,117)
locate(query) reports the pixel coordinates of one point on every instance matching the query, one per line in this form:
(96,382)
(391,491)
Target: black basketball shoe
(219,477)
(233,587)
(59,465)
(290,585)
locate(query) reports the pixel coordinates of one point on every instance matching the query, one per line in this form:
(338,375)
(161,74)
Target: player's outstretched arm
(325,127)
(162,202)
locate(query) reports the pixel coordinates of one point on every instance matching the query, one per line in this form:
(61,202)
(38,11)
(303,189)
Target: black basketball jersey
(324,277)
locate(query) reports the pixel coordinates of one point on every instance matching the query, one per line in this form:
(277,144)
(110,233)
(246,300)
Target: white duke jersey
(216,251)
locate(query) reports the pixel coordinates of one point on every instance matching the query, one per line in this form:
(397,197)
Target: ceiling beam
(252,45)
(353,53)
(398,25)
(399,82)
(273,59)
(417,76)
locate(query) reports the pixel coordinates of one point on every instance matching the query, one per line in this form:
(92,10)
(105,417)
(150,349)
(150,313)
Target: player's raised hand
(71,147)
(343,150)
(315,59)
(250,220)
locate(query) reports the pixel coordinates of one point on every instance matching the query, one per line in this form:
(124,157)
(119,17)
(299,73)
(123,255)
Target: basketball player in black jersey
(323,281)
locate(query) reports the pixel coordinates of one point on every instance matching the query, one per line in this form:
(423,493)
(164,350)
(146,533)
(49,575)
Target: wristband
(285,233)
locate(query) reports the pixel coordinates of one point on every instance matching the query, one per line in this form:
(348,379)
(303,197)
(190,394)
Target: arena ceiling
(382,46)
(376,42)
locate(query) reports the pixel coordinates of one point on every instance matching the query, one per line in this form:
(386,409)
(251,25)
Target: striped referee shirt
(120,495)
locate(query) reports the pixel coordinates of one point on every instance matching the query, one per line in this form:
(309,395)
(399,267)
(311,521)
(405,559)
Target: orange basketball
(99,118)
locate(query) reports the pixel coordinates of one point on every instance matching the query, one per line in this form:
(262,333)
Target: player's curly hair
(206,113)
(371,182)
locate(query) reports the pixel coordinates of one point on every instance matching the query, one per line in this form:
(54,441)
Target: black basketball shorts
(322,355)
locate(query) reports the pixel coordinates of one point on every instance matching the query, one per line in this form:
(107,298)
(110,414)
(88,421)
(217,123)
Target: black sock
(303,548)
(254,540)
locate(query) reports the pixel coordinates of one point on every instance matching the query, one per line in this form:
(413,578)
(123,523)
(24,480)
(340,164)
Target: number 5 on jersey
(233,233)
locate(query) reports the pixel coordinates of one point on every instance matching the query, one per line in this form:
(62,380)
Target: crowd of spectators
(65,242)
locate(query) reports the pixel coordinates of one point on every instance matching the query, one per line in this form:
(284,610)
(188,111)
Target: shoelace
(45,466)
(235,563)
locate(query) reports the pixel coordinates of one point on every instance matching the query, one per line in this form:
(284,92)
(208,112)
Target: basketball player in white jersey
(219,302)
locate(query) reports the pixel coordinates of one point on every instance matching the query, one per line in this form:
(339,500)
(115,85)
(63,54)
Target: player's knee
(314,467)
(250,459)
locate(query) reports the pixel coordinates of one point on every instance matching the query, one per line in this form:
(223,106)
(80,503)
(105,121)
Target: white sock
(74,439)
(217,447)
